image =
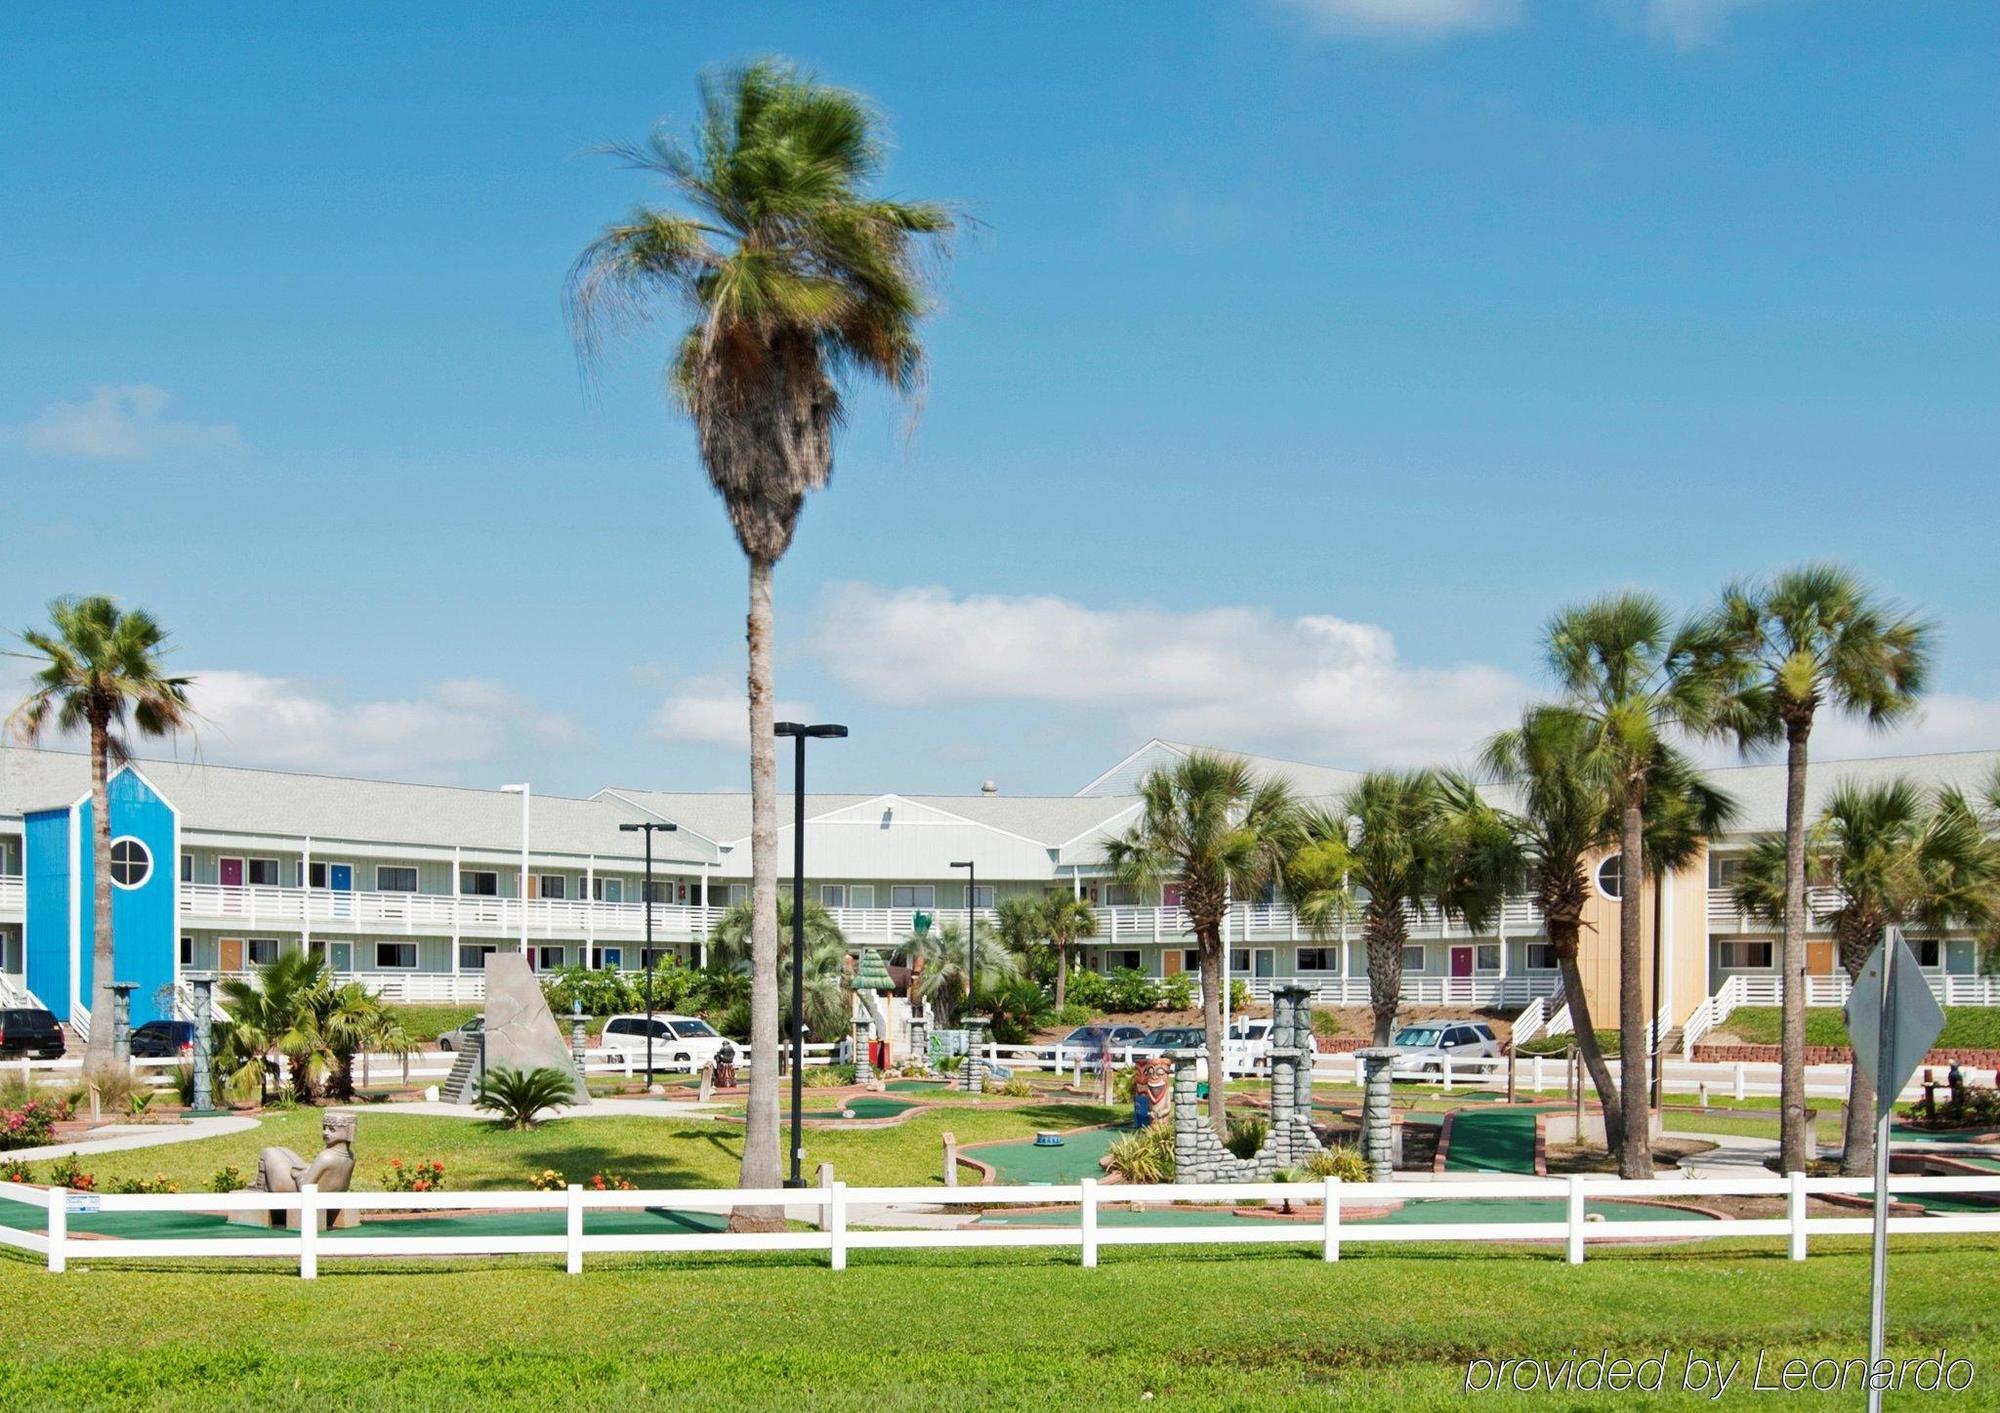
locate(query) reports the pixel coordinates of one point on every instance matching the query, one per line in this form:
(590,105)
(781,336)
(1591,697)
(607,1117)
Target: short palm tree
(1814,637)
(796,276)
(1056,921)
(99,671)
(1899,856)
(938,956)
(1208,824)
(280,1014)
(1401,840)
(517,1097)
(1636,679)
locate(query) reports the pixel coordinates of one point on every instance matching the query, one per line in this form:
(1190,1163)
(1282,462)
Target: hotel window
(478,883)
(187,951)
(860,895)
(554,885)
(1239,961)
(1191,959)
(395,956)
(131,862)
(982,896)
(1121,895)
(314,876)
(187,868)
(833,895)
(1611,877)
(660,890)
(261,873)
(1319,959)
(1489,956)
(1121,961)
(472,956)
(912,895)
(1722,872)
(551,958)
(1926,949)
(608,890)
(395,878)
(1413,959)
(1745,956)
(263,951)
(738,893)
(1541,956)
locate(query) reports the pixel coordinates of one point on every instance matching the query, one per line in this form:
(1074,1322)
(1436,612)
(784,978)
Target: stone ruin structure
(1199,1155)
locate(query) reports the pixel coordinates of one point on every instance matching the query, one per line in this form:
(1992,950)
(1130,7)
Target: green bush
(1325,1024)
(1977,1106)
(517,1096)
(158,1182)
(1015,1088)
(1341,1160)
(734,1020)
(1019,1008)
(1239,996)
(1246,1134)
(1145,1156)
(827,1076)
(229,1179)
(1073,1014)
(1129,989)
(1177,992)
(1089,991)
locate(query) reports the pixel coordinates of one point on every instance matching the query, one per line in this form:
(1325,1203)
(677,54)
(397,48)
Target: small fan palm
(939,958)
(516,1097)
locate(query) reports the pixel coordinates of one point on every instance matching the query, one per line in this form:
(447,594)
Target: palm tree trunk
(1857,1144)
(1062,974)
(1387,933)
(1635,1151)
(1792,957)
(761,1167)
(98,1052)
(1211,1024)
(1563,936)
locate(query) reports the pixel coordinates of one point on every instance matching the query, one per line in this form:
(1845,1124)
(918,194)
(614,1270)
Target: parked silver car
(463,1037)
(1425,1045)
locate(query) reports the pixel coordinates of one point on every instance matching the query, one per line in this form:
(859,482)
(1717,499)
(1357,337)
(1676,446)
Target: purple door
(1461,962)
(229,873)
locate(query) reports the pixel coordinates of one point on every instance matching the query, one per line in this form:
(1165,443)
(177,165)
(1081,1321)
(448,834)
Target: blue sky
(1305,356)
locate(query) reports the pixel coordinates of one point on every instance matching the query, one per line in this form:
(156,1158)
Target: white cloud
(1946,721)
(1405,19)
(715,712)
(1320,686)
(1689,24)
(121,422)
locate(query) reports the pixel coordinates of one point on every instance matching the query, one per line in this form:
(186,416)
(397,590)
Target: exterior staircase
(463,1081)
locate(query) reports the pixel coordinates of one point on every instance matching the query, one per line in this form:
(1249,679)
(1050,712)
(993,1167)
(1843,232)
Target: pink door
(1461,962)
(229,872)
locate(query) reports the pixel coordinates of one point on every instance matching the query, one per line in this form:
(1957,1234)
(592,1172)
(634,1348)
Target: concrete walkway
(1735,1155)
(118,1138)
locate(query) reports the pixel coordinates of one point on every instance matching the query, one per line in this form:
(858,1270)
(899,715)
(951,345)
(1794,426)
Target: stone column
(121,1020)
(1189,1120)
(864,1073)
(920,1041)
(1376,1116)
(973,1072)
(204,1044)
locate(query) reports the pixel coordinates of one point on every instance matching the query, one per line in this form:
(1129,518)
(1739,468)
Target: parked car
(1249,1043)
(1170,1037)
(1425,1044)
(163,1040)
(679,1042)
(463,1037)
(1087,1042)
(30,1031)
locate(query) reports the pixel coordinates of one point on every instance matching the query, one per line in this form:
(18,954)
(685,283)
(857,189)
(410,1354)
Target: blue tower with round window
(61,917)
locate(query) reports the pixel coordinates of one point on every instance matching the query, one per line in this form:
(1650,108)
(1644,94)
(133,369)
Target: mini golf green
(1899,1133)
(867,1106)
(1074,1160)
(165,1226)
(1493,1140)
(918,1086)
(1420,1212)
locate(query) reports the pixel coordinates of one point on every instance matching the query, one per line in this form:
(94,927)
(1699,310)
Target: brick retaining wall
(1836,1055)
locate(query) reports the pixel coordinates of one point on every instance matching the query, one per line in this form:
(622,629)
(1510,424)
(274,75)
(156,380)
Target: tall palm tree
(100,672)
(281,1014)
(1636,679)
(1405,839)
(1814,637)
(1210,825)
(938,955)
(1898,856)
(825,987)
(796,276)
(1056,921)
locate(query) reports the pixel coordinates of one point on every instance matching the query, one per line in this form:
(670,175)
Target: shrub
(1325,1024)
(229,1179)
(1073,1014)
(1087,991)
(1123,1083)
(517,1096)
(28,1126)
(184,1086)
(68,1172)
(1246,1134)
(424,1175)
(601,992)
(1239,996)
(827,1076)
(548,1180)
(1977,1106)
(1018,1006)
(139,1101)
(1341,1160)
(1130,989)
(158,1182)
(1144,1156)
(1016,1088)
(734,1020)
(1177,992)
(611,1182)
(14,1170)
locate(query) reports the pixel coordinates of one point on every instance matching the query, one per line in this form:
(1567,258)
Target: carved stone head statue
(337,1128)
(1154,1077)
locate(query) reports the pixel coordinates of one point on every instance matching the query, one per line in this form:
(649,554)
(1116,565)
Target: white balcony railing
(13,895)
(1725,916)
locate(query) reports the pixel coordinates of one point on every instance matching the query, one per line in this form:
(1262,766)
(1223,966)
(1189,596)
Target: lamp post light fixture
(526,795)
(648,827)
(800,733)
(971,940)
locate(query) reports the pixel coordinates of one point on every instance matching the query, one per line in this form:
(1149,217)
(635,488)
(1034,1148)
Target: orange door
(231,949)
(1819,958)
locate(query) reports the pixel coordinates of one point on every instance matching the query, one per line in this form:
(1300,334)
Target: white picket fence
(307,1244)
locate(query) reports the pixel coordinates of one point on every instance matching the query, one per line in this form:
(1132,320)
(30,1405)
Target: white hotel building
(408,887)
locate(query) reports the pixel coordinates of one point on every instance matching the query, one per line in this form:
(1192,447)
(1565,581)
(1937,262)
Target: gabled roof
(1048,820)
(1314,782)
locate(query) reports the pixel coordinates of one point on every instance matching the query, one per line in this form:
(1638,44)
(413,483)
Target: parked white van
(679,1042)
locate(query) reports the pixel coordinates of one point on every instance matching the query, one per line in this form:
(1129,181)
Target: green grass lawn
(1206,1327)
(1751,1125)
(652,1152)
(1965,1027)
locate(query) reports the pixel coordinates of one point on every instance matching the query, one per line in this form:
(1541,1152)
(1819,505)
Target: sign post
(1892,1022)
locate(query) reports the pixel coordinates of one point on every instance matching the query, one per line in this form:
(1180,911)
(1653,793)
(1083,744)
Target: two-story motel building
(409,887)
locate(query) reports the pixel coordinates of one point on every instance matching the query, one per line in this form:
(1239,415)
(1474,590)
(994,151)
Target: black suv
(30,1032)
(163,1040)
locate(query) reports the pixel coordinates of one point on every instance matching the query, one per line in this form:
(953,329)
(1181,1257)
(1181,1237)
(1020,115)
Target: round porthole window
(131,862)
(1611,877)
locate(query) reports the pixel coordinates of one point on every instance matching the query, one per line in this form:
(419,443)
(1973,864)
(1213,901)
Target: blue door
(340,879)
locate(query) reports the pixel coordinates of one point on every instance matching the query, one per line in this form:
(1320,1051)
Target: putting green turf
(917,1086)
(1422,1212)
(1073,1161)
(160,1226)
(868,1106)
(1493,1140)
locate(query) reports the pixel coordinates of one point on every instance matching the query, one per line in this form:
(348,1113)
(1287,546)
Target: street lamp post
(971,942)
(526,795)
(646,956)
(799,734)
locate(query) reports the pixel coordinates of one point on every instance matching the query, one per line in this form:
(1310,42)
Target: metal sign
(80,1202)
(1891,1052)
